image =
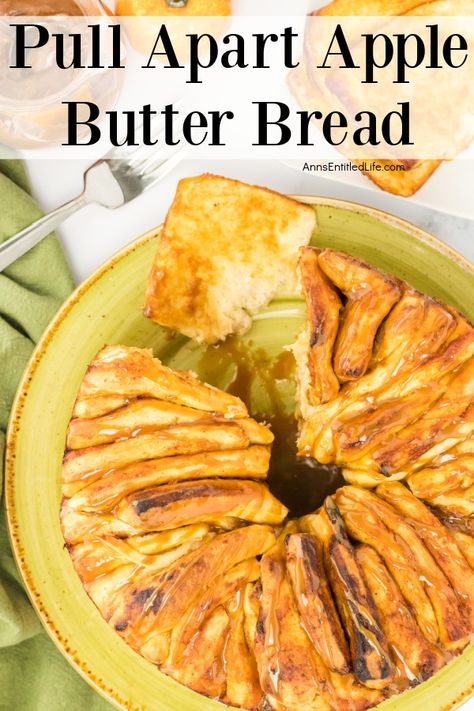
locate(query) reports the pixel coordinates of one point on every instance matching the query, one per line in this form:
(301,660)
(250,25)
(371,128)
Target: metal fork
(110,182)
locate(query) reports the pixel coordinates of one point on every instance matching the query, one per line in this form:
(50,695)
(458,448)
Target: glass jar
(32,109)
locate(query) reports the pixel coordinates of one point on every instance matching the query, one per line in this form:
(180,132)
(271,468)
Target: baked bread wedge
(226,249)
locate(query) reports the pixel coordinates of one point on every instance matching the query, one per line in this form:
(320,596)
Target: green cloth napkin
(34,676)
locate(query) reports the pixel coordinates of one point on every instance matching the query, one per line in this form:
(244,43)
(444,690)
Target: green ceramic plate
(107,309)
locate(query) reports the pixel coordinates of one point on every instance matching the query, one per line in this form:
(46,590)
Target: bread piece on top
(226,249)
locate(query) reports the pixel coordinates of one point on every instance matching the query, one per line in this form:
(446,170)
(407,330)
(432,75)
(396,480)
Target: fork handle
(23,241)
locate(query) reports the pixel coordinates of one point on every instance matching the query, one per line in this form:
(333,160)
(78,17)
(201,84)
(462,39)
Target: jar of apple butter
(33,112)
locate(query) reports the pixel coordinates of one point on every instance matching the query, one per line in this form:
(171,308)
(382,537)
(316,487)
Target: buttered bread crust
(226,250)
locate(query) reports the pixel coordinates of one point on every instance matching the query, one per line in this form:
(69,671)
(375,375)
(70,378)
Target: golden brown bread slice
(237,247)
(154,543)
(146,415)
(123,373)
(203,501)
(141,415)
(449,486)
(465,543)
(103,494)
(291,671)
(242,687)
(450,611)
(365,425)
(107,565)
(98,405)
(370,296)
(436,538)
(370,658)
(153,605)
(317,382)
(305,565)
(462,524)
(242,682)
(83,466)
(463,446)
(155,647)
(103,592)
(251,596)
(202,666)
(452,440)
(221,591)
(416,439)
(417,659)
(358,435)
(365,526)
(456,441)
(416,327)
(285,659)
(78,526)
(404,182)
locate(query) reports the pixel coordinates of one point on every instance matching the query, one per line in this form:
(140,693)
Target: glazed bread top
(226,250)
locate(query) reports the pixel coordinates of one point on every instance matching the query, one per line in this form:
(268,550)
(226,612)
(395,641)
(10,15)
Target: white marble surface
(95,233)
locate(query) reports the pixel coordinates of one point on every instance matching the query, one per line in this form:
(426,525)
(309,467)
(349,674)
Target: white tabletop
(95,233)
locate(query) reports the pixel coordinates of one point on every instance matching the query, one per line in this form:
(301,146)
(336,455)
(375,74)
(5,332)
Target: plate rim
(38,353)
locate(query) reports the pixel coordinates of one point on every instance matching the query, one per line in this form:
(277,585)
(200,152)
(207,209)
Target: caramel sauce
(264,382)
(463,524)
(301,483)
(272,633)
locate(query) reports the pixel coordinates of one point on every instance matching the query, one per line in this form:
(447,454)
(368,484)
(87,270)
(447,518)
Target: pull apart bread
(188,556)
(166,510)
